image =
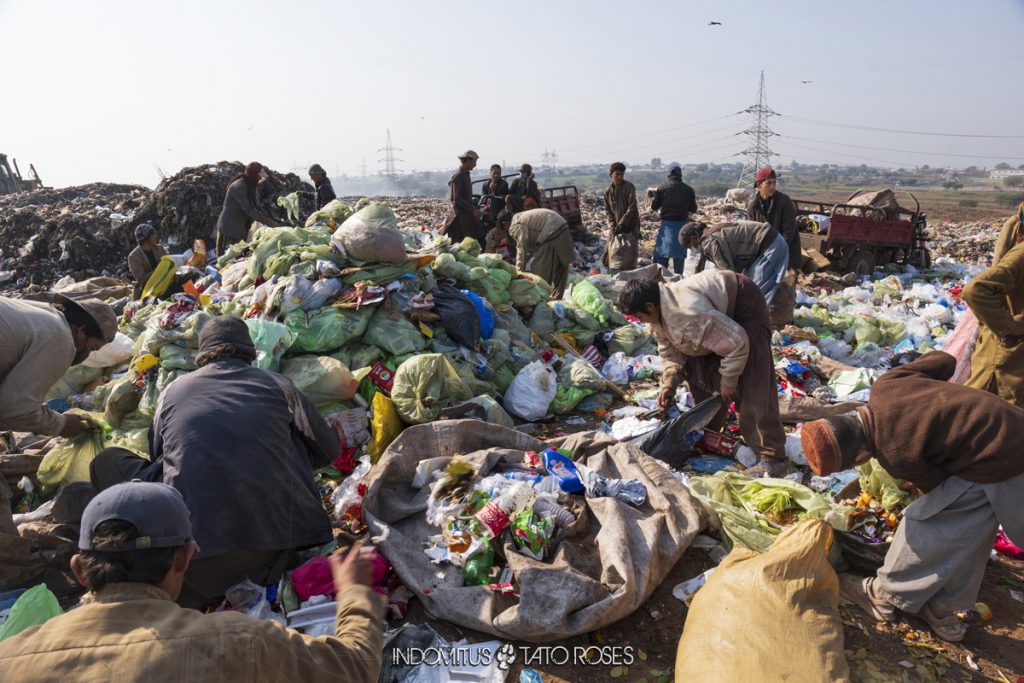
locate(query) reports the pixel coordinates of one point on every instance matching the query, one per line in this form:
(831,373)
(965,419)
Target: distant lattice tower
(390,171)
(757,154)
(549,158)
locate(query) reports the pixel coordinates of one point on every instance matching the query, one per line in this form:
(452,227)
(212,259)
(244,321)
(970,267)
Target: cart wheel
(862,263)
(921,259)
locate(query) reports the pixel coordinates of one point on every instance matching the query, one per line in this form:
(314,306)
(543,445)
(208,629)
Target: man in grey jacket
(755,249)
(38,343)
(241,207)
(240,444)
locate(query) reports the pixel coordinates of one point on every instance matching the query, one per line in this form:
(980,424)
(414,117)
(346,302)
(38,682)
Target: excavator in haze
(11,180)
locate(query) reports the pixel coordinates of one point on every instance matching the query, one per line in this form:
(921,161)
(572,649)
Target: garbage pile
(971,242)
(87,231)
(185,206)
(78,231)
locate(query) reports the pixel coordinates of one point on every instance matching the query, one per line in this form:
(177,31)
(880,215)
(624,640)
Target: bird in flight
(714,23)
(806,82)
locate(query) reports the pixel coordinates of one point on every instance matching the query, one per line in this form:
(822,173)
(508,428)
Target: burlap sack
(595,577)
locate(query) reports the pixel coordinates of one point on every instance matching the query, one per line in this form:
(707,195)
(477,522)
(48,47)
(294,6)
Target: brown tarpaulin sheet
(613,560)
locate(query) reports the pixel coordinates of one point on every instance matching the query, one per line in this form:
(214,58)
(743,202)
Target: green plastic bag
(357,355)
(424,386)
(566,398)
(134,440)
(323,379)
(326,329)
(290,203)
(36,606)
(580,374)
(271,340)
(73,381)
(883,486)
(589,298)
(174,357)
(69,460)
(528,290)
(741,502)
(392,331)
(627,338)
(334,213)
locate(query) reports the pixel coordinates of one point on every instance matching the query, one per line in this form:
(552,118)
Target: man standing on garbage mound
(713,333)
(135,547)
(38,343)
(240,444)
(959,445)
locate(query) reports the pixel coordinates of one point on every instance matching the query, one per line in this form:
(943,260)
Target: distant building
(1004,173)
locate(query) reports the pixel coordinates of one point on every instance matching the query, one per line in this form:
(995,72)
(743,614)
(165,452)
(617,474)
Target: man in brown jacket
(463,218)
(623,247)
(143,259)
(135,545)
(996,297)
(776,208)
(959,445)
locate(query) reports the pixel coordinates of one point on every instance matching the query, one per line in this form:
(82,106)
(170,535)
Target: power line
(907,151)
(836,124)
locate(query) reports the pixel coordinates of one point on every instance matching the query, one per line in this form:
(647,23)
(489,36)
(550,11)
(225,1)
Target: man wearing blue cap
(144,258)
(135,545)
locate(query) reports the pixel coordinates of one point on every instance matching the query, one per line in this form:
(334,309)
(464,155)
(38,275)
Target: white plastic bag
(532,391)
(113,354)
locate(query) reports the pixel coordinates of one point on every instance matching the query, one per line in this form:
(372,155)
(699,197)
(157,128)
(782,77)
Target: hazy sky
(113,90)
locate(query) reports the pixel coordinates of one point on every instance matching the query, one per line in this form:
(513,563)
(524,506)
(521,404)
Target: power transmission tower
(390,172)
(362,169)
(549,158)
(757,154)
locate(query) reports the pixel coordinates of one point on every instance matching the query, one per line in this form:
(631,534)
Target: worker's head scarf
(675,172)
(831,445)
(143,231)
(1008,235)
(225,337)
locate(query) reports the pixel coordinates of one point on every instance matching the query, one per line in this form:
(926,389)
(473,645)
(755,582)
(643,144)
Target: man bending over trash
(38,343)
(959,445)
(240,444)
(135,546)
(713,333)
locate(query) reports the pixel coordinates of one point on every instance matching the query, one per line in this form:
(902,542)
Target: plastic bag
(161,278)
(357,355)
(448,266)
(791,589)
(371,235)
(532,391)
(323,379)
(567,398)
(627,339)
(385,426)
(34,607)
(69,460)
(271,341)
(333,214)
(326,329)
(589,298)
(883,486)
(174,357)
(581,374)
(484,313)
(528,290)
(459,315)
(424,386)
(113,354)
(74,381)
(392,331)
(122,400)
(290,203)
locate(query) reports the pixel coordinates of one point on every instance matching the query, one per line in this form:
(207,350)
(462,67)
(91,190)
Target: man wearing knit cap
(771,206)
(143,259)
(240,444)
(961,447)
(323,191)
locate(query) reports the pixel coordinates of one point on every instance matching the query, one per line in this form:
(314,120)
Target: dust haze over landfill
(119,90)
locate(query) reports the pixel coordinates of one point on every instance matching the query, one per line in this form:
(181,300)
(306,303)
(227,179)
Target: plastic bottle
(496,515)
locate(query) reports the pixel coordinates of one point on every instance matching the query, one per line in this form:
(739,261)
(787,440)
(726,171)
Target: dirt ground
(905,651)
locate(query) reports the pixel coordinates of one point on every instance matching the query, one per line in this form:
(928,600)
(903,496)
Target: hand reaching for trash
(76,424)
(665,400)
(729,394)
(354,570)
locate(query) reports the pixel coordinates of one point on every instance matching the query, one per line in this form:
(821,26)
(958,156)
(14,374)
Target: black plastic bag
(668,442)
(458,315)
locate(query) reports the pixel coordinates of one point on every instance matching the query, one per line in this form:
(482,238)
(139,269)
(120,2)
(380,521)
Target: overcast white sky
(113,90)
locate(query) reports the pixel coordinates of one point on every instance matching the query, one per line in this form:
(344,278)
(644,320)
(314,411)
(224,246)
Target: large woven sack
(593,579)
(771,616)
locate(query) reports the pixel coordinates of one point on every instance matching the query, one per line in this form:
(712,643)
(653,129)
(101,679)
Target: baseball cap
(469,154)
(158,512)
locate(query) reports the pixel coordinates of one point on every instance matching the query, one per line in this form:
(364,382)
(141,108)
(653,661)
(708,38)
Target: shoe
(949,628)
(857,590)
(771,468)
